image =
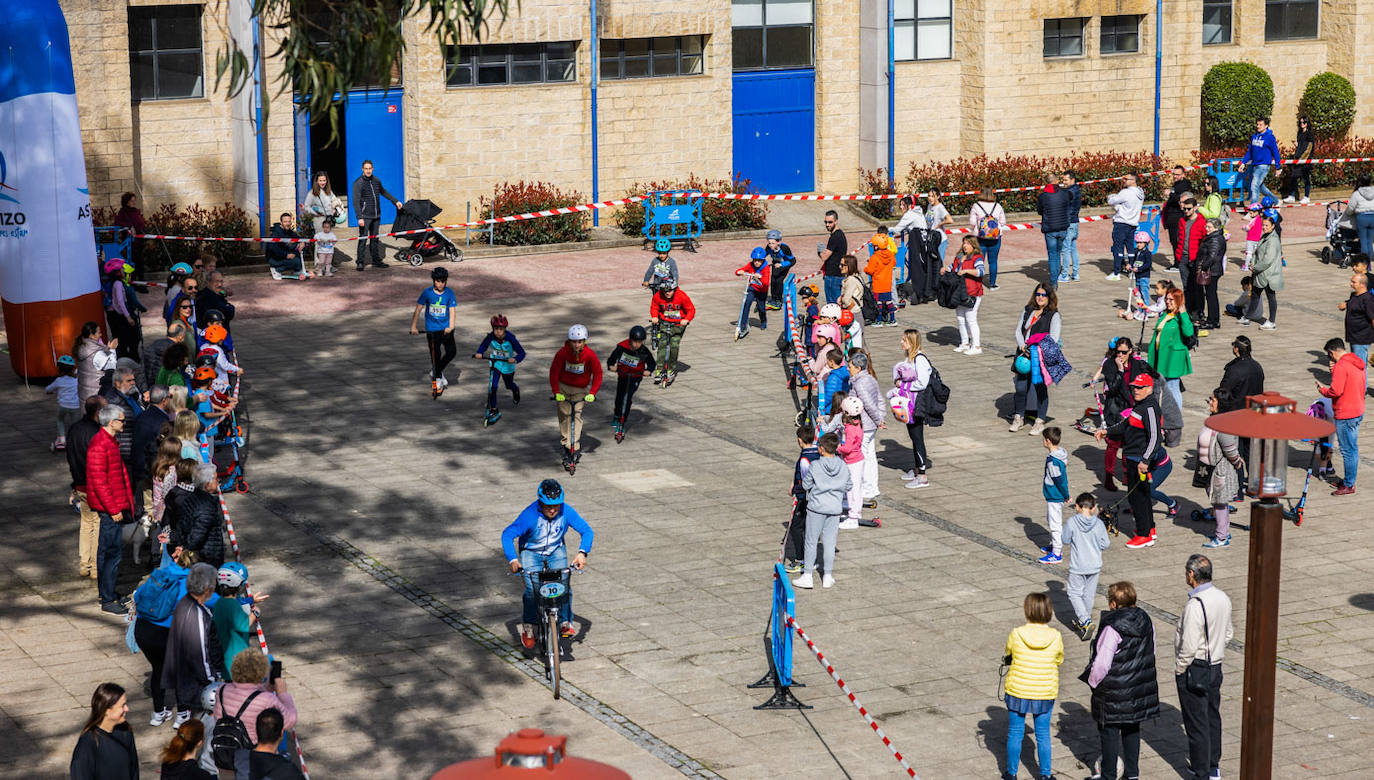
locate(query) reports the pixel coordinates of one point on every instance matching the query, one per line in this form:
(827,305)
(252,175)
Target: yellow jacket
(1036,652)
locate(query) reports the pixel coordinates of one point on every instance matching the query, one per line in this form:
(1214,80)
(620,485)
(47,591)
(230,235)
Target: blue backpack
(158,595)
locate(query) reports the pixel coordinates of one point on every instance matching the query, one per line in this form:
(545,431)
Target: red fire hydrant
(527,751)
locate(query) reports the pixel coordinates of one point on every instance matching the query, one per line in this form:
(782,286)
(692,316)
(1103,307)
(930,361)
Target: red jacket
(107,483)
(583,371)
(1189,238)
(678,311)
(764,274)
(1346,391)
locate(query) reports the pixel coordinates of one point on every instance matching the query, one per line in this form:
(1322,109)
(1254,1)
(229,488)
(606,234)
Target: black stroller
(1343,243)
(419,215)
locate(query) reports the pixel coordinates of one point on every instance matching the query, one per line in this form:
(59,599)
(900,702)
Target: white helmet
(577,333)
(209,694)
(831,310)
(852,406)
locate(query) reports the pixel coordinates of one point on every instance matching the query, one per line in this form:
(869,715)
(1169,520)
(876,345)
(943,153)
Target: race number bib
(438,310)
(575,368)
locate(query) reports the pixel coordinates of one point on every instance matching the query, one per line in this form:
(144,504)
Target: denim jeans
(1157,476)
(1030,399)
(1348,437)
(1121,244)
(1364,227)
(1068,259)
(1258,174)
(1142,287)
(108,552)
(990,252)
(531,564)
(1016,732)
(832,285)
(944,244)
(1174,387)
(1362,350)
(1054,248)
(757,299)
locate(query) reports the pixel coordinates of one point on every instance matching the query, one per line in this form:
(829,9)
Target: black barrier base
(782,699)
(770,680)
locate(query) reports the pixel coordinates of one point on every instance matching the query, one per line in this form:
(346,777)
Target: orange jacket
(881,264)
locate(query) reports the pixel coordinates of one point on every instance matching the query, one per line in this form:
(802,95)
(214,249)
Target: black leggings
(1213,305)
(496,378)
(442,349)
(625,388)
(795,544)
(1142,504)
(1122,740)
(917,431)
(152,640)
(1255,311)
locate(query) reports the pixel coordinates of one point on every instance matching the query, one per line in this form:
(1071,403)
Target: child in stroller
(419,215)
(1343,242)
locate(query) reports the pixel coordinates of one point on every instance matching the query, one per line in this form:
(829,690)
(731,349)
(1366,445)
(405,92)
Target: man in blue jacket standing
(534,543)
(1053,207)
(1261,156)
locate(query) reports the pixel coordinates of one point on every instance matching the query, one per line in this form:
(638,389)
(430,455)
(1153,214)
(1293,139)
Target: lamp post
(1271,421)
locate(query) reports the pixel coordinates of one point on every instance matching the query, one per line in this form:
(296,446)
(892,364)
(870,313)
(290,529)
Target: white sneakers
(1113,277)
(973,351)
(918,482)
(1017,423)
(908,475)
(181,718)
(961,348)
(806,581)
(1269,325)
(1037,428)
(849,524)
(1306,201)
(827,581)
(1290,199)
(160,718)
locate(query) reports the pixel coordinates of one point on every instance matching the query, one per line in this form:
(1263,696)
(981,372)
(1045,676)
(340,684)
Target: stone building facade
(971,77)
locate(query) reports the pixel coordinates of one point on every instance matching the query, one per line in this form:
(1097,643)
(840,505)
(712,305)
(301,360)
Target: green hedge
(1329,102)
(717,213)
(1234,95)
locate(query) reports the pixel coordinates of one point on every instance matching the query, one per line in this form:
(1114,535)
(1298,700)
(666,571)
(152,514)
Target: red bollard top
(529,753)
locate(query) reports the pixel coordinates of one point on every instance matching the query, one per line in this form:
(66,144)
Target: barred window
(633,58)
(517,63)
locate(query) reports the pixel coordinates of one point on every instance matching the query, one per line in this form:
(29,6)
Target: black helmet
(439,274)
(550,493)
(206,360)
(637,333)
(214,315)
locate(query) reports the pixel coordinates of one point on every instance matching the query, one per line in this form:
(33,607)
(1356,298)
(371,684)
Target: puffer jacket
(107,482)
(126,434)
(1211,254)
(1036,652)
(1130,691)
(866,388)
(198,524)
(1267,271)
(93,359)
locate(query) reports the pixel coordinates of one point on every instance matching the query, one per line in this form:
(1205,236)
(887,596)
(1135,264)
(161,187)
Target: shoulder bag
(1197,678)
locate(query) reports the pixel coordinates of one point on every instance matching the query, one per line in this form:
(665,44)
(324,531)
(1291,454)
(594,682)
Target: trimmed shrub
(973,173)
(1234,95)
(225,221)
(717,213)
(875,182)
(522,197)
(1329,102)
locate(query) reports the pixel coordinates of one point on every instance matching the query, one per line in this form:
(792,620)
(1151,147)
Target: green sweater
(1168,355)
(232,628)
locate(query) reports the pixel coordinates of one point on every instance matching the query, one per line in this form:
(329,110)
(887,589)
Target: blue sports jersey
(437,307)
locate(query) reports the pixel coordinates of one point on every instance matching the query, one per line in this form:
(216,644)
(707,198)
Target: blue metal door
(372,120)
(775,129)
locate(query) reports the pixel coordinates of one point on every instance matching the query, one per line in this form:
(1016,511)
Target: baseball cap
(1143,380)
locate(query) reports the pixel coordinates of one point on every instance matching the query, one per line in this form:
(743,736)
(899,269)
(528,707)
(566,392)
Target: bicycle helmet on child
(204,374)
(68,360)
(114,265)
(500,321)
(667,284)
(831,311)
(182,268)
(774,235)
(439,274)
(215,333)
(1141,237)
(637,333)
(577,333)
(549,493)
(213,315)
(233,574)
(663,245)
(1268,202)
(759,253)
(852,406)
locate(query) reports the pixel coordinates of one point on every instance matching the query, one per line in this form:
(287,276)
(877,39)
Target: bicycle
(551,591)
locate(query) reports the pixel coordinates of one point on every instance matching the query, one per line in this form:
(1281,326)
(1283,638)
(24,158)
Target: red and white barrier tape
(1327,160)
(797,324)
(852,698)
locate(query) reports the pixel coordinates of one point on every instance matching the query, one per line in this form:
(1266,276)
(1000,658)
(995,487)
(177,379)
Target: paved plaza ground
(375,516)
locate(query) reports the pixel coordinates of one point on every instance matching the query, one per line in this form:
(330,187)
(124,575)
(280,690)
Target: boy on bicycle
(538,533)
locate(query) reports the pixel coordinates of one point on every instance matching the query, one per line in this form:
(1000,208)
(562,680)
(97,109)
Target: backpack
(869,306)
(932,402)
(230,735)
(988,228)
(157,597)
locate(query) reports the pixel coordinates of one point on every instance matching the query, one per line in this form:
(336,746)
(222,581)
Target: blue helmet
(759,253)
(66,360)
(663,245)
(1268,202)
(182,268)
(549,493)
(233,574)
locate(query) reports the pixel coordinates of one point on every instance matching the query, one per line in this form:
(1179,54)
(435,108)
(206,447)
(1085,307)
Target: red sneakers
(1154,532)
(527,636)
(567,631)
(1140,541)
(1344,490)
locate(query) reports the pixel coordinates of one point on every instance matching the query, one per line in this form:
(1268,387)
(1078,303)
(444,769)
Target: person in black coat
(195,524)
(194,657)
(1173,209)
(366,202)
(1053,207)
(1243,377)
(284,256)
(1121,672)
(146,428)
(1211,259)
(123,392)
(106,750)
(213,297)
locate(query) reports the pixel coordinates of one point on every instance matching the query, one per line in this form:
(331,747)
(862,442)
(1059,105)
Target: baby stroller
(1342,241)
(419,215)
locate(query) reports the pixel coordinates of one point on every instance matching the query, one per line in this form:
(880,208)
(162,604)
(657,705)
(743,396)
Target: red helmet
(204,374)
(500,321)
(846,318)
(216,333)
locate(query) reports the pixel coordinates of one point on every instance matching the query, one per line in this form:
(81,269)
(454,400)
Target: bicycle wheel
(552,650)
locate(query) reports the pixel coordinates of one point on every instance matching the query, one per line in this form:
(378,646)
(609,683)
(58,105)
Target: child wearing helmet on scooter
(670,311)
(68,400)
(504,351)
(630,359)
(662,267)
(756,293)
(575,378)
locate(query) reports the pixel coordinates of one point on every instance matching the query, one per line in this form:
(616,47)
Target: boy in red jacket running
(575,378)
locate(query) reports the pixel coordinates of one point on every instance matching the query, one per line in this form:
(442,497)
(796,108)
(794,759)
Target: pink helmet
(1141,237)
(114,265)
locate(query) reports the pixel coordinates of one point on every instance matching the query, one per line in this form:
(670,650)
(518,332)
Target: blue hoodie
(1056,485)
(1263,150)
(535,532)
(835,381)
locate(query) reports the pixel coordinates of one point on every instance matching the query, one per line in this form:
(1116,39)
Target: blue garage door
(372,120)
(775,129)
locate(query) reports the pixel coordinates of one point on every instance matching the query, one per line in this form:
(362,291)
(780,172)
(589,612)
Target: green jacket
(1267,269)
(1211,206)
(1168,355)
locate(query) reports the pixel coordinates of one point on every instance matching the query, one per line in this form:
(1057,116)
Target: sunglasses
(1123,352)
(1042,295)
(184,306)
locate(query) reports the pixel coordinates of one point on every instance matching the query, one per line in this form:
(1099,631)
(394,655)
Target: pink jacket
(233,695)
(852,448)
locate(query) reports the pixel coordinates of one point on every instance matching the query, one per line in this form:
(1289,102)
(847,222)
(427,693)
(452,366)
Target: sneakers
(527,636)
(658,378)
(1218,542)
(827,581)
(567,631)
(918,482)
(804,581)
(276,274)
(849,524)
(160,718)
(514,394)
(908,475)
(1017,423)
(1290,199)
(1344,490)
(115,608)
(973,351)
(1306,201)
(1203,333)
(961,348)
(181,718)
(1085,629)
(1137,542)
(792,566)
(1270,325)
(1051,558)
(1243,322)
(1154,533)
(1172,511)
(1113,277)
(1037,429)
